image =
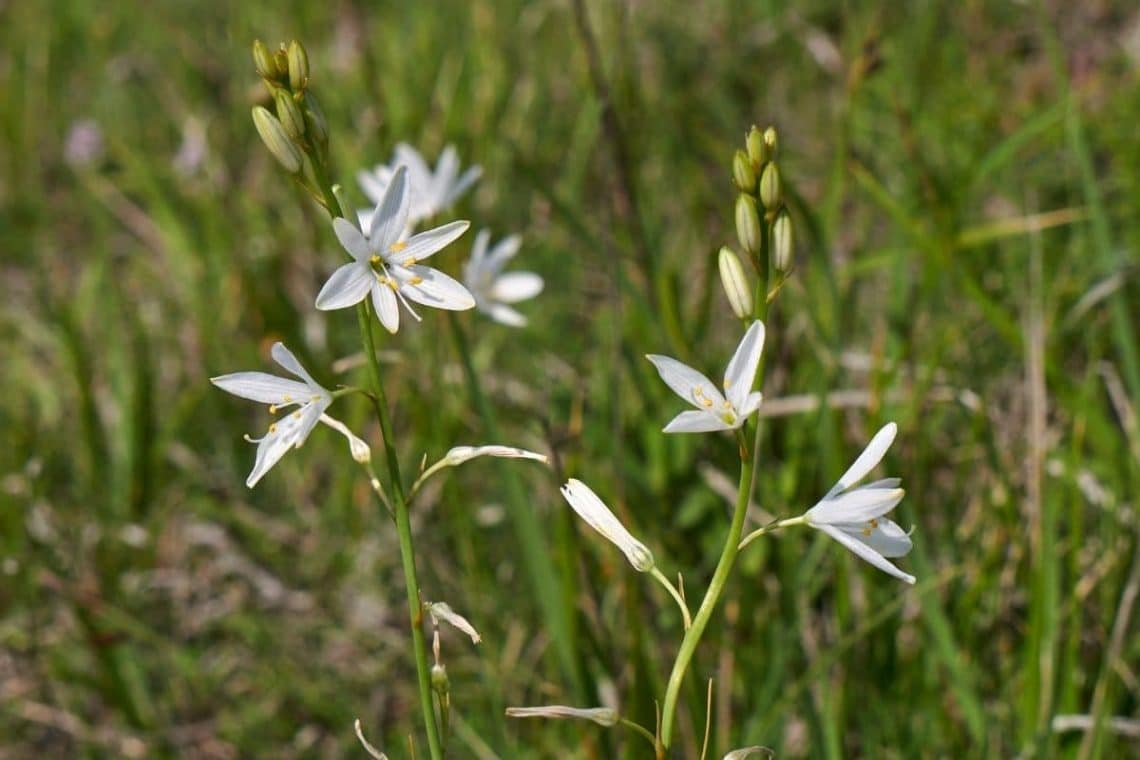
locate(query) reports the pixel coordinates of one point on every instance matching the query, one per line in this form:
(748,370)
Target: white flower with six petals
(854,516)
(386,265)
(714,410)
(309,397)
(493,290)
(431,191)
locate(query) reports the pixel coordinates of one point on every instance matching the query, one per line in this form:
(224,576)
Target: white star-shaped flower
(854,516)
(289,432)
(714,410)
(493,290)
(386,265)
(432,191)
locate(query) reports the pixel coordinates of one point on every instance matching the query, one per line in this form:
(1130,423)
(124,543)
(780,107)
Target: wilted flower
(431,191)
(493,290)
(442,611)
(854,516)
(375,753)
(715,411)
(594,511)
(289,432)
(745,752)
(603,716)
(387,266)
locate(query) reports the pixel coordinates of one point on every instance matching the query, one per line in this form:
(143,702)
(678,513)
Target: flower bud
(742,172)
(440,683)
(748,224)
(603,716)
(298,66)
(770,194)
(263,61)
(783,242)
(275,138)
(281,64)
(289,114)
(770,142)
(757,151)
(315,123)
(735,283)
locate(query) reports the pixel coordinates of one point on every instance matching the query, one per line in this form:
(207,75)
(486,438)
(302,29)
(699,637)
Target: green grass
(962,179)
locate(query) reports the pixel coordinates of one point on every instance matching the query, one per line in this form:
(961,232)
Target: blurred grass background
(964,186)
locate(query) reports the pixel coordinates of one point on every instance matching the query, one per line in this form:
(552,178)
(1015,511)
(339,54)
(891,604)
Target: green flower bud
(263,61)
(771,142)
(316,124)
(742,172)
(298,66)
(440,683)
(281,63)
(273,135)
(770,194)
(735,283)
(757,151)
(748,224)
(783,242)
(289,114)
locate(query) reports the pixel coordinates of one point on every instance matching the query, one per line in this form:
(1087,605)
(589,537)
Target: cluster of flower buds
(760,216)
(295,130)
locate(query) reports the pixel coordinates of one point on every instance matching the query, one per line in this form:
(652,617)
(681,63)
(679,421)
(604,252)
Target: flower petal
(348,286)
(387,309)
(356,446)
(424,244)
(866,553)
(263,388)
(888,539)
(432,287)
(391,215)
(456,191)
(503,251)
(352,239)
(697,422)
(751,404)
(504,315)
(516,286)
(856,507)
(479,249)
(686,382)
(598,516)
(446,170)
(741,371)
(870,457)
(287,361)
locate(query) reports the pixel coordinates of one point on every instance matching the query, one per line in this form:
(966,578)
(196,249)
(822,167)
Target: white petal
(352,239)
(287,433)
(287,361)
(741,371)
(687,383)
(387,309)
(866,553)
(348,286)
(516,286)
(434,289)
(887,538)
(751,404)
(697,422)
(419,175)
(443,611)
(374,183)
(856,506)
(446,170)
(356,446)
(262,387)
(375,753)
(456,191)
(391,215)
(479,249)
(503,251)
(599,517)
(504,315)
(460,454)
(424,244)
(364,218)
(870,457)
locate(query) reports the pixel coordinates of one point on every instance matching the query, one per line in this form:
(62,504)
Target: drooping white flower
(599,517)
(431,191)
(442,611)
(714,410)
(854,516)
(290,431)
(375,753)
(386,265)
(603,716)
(493,290)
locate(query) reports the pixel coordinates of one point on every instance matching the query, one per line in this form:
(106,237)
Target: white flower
(375,753)
(599,517)
(432,191)
(442,611)
(854,517)
(308,396)
(457,455)
(745,752)
(603,716)
(387,266)
(493,290)
(715,411)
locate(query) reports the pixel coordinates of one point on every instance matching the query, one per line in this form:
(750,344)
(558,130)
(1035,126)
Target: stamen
(409,261)
(415,279)
(700,397)
(398,246)
(297,414)
(374,259)
(273,408)
(273,427)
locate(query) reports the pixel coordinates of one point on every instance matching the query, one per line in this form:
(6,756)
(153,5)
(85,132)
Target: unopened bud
(603,716)
(315,123)
(748,224)
(757,151)
(281,64)
(289,114)
(770,193)
(783,242)
(771,142)
(263,61)
(440,683)
(275,138)
(298,65)
(735,283)
(742,173)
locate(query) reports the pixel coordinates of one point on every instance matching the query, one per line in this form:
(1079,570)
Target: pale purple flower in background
(386,264)
(714,410)
(432,191)
(493,290)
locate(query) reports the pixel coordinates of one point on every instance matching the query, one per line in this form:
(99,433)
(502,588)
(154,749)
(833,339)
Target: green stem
(768,529)
(673,592)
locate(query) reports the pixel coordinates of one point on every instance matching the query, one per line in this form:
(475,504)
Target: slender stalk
(673,592)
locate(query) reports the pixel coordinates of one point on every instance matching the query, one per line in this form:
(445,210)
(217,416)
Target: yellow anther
(273,408)
(297,414)
(701,398)
(866,532)
(409,261)
(287,399)
(273,427)
(874,523)
(415,280)
(374,259)
(397,246)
